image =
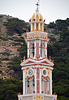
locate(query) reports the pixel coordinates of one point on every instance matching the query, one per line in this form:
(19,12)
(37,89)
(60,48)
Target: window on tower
(32,50)
(47,85)
(37,26)
(33,85)
(42,84)
(33,27)
(42,50)
(27,85)
(41,27)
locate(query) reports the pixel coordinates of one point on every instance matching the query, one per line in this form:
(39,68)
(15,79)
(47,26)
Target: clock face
(30,72)
(44,72)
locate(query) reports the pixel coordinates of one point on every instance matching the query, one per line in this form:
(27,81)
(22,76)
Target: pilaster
(50,82)
(35,49)
(28,48)
(40,80)
(35,82)
(23,82)
(46,49)
(31,26)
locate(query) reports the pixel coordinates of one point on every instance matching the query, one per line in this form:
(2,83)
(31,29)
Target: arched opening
(47,85)
(37,26)
(27,85)
(32,50)
(33,27)
(42,84)
(41,27)
(30,84)
(45,88)
(33,84)
(42,50)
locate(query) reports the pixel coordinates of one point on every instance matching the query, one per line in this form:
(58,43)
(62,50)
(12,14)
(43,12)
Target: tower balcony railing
(37,35)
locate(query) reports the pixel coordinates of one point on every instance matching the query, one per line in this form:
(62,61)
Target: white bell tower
(37,68)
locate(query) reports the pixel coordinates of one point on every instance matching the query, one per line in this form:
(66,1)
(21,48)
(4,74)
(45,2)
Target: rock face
(7,49)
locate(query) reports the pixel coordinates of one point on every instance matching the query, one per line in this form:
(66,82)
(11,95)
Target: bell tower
(37,68)
(37,39)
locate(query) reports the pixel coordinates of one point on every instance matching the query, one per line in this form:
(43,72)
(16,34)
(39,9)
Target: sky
(51,10)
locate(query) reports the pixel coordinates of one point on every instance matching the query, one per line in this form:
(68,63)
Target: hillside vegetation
(58,48)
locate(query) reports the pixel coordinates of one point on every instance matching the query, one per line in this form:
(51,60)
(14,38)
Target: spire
(37,5)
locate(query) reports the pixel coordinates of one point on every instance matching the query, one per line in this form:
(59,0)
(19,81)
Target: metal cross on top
(37,5)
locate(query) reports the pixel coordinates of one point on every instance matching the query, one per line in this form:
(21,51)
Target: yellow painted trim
(27,35)
(47,71)
(33,17)
(20,98)
(34,72)
(26,70)
(36,34)
(54,98)
(41,17)
(37,14)
(32,27)
(39,97)
(41,27)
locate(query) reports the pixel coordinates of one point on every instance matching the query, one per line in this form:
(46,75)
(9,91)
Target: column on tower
(35,49)
(42,27)
(35,81)
(39,27)
(24,82)
(50,82)
(28,49)
(31,26)
(39,47)
(40,81)
(46,49)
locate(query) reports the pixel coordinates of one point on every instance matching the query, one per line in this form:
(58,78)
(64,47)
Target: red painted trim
(33,91)
(33,68)
(38,82)
(33,19)
(44,20)
(24,66)
(30,20)
(27,68)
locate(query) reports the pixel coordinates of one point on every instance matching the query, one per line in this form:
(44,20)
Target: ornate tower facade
(37,68)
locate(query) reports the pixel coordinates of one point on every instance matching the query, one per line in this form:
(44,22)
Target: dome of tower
(37,17)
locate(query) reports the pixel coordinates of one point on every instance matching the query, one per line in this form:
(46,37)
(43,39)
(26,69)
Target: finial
(37,5)
(24,58)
